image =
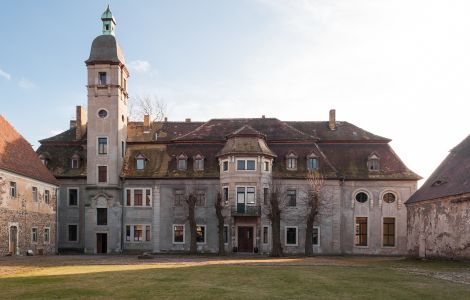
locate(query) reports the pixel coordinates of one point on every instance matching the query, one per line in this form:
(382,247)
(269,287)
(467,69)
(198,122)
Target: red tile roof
(17,155)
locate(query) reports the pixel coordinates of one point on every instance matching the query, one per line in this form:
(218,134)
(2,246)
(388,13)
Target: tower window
(102,145)
(102,113)
(102,78)
(106,26)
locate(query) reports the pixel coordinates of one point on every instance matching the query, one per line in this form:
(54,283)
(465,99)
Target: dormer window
(198,162)
(102,78)
(291,161)
(139,162)
(182,162)
(44,159)
(312,162)
(373,163)
(75,161)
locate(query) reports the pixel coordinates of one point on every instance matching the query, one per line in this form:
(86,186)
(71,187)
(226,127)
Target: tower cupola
(109,23)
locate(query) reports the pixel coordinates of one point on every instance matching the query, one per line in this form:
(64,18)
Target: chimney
(166,119)
(81,122)
(332,122)
(73,124)
(146,123)
(263,116)
(188,120)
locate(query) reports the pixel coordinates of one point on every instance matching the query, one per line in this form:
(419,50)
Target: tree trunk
(276,250)
(192,223)
(220,218)
(309,233)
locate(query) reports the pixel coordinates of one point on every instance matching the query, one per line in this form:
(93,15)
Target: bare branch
(146,105)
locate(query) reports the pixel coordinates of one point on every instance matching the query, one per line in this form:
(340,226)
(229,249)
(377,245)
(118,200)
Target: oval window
(389,197)
(361,197)
(102,113)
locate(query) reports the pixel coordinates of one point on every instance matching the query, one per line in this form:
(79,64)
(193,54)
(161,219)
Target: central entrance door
(13,240)
(245,239)
(101,243)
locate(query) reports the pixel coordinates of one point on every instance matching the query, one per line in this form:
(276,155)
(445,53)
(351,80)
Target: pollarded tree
(314,201)
(220,218)
(191,200)
(274,209)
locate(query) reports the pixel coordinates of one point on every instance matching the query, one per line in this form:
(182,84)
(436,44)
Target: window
(128,197)
(265,196)
(198,163)
(250,195)
(73,197)
(226,234)
(179,197)
(47,235)
(101,216)
(102,145)
(102,173)
(182,162)
(265,234)
(389,232)
(200,198)
(291,161)
(246,164)
(148,197)
(47,196)
(225,189)
(128,233)
(316,236)
(12,189)
(35,194)
(138,233)
(246,195)
(139,162)
(72,233)
(291,197)
(373,163)
(201,234)
(75,163)
(137,197)
(147,233)
(102,113)
(178,234)
(102,76)
(34,235)
(361,231)
(266,166)
(389,197)
(225,166)
(291,236)
(123,147)
(361,197)
(312,164)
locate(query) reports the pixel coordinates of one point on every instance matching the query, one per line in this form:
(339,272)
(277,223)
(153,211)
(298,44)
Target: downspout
(57,202)
(123,191)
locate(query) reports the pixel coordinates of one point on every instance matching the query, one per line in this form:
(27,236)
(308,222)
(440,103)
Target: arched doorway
(13,243)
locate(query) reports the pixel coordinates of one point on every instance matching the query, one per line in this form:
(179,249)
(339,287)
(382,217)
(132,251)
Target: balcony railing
(242,210)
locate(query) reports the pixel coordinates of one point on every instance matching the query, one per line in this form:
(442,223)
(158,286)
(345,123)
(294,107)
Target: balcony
(242,210)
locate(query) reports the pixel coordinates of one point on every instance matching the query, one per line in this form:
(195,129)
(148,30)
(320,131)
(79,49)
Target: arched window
(182,162)
(291,161)
(373,162)
(361,197)
(312,162)
(140,162)
(198,162)
(75,161)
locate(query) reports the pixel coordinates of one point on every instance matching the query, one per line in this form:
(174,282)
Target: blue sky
(399,69)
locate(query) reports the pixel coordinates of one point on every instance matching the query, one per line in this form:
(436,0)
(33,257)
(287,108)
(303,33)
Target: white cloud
(26,84)
(5,74)
(139,66)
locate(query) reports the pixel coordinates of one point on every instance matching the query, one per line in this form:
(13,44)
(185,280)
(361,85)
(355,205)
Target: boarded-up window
(389,232)
(200,198)
(102,173)
(101,216)
(361,231)
(73,197)
(137,197)
(137,233)
(179,197)
(72,233)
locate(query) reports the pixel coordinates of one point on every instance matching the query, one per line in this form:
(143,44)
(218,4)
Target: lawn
(114,277)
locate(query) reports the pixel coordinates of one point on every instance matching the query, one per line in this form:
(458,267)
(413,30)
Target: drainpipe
(57,195)
(123,191)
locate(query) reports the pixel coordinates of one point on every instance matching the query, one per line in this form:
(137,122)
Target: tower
(106,138)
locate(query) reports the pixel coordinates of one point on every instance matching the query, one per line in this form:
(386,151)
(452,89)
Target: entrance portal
(245,239)
(101,243)
(13,245)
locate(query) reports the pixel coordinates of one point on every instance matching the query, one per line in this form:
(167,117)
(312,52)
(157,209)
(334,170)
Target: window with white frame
(72,233)
(139,162)
(266,166)
(246,164)
(47,196)
(34,235)
(291,236)
(246,194)
(182,162)
(178,234)
(138,233)
(139,197)
(316,236)
(47,235)
(198,162)
(102,145)
(312,162)
(265,234)
(72,196)
(201,234)
(75,161)
(35,194)
(226,234)
(291,161)
(373,163)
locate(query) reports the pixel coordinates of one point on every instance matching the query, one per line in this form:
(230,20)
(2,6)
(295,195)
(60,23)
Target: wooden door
(245,239)
(101,243)
(13,240)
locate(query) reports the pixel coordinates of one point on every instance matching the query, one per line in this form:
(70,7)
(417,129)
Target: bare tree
(274,208)
(220,217)
(316,182)
(191,200)
(146,105)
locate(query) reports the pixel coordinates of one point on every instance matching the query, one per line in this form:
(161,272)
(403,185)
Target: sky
(399,69)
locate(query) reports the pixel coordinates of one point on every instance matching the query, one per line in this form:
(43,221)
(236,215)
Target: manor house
(123,184)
